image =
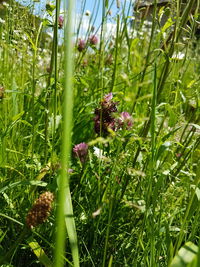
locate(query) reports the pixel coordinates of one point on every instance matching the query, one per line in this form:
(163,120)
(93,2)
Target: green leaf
(50,8)
(165,137)
(172,115)
(164,147)
(46,22)
(197,191)
(11,219)
(31,41)
(18,116)
(84,82)
(168,24)
(37,183)
(195,125)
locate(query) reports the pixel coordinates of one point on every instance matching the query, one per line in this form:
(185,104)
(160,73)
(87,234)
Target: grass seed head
(40,210)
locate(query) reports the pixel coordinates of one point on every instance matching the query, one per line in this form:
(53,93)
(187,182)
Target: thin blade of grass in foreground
(64,204)
(39,252)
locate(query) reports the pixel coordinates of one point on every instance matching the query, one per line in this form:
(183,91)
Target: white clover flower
(98,152)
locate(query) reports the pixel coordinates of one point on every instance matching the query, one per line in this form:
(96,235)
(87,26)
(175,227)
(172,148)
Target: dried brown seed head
(40,210)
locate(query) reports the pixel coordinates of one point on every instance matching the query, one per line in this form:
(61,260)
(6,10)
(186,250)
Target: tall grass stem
(64,203)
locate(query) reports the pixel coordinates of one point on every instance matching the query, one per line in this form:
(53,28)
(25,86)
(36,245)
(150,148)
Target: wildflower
(126,120)
(1,92)
(93,40)
(108,97)
(81,45)
(40,210)
(102,124)
(60,22)
(104,115)
(87,13)
(81,151)
(108,105)
(98,152)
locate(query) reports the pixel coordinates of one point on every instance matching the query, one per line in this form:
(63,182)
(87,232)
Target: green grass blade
(19,183)
(64,208)
(39,252)
(187,256)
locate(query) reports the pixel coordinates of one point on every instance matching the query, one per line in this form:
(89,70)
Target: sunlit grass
(123,166)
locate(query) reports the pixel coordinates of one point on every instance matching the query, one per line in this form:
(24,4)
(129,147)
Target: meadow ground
(106,131)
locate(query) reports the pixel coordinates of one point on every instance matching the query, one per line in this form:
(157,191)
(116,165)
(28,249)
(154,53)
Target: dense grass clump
(100,136)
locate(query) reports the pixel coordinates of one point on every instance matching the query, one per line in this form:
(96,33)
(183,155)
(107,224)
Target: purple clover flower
(93,40)
(108,97)
(81,45)
(108,105)
(126,120)
(81,151)
(104,115)
(60,22)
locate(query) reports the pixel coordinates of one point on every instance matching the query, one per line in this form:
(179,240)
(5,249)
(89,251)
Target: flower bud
(126,120)
(93,40)
(81,151)
(60,22)
(81,45)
